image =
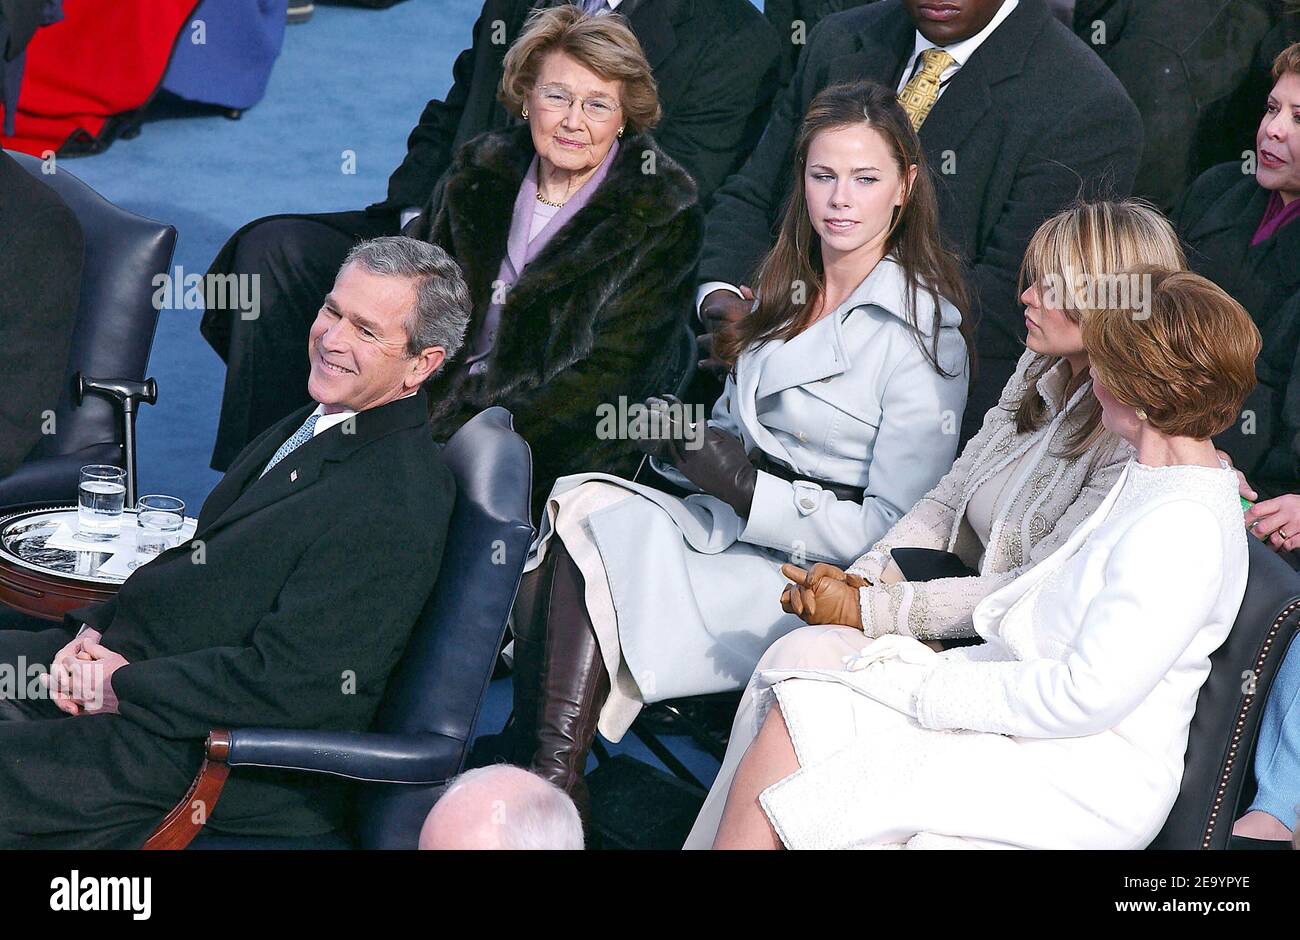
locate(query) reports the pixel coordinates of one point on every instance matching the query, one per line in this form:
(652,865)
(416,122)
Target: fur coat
(595,316)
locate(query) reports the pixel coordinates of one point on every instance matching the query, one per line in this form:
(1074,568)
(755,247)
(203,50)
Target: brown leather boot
(532,607)
(574,685)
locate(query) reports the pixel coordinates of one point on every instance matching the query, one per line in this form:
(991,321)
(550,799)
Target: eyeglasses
(559,98)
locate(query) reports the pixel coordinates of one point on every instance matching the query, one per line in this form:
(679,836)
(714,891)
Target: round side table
(44,581)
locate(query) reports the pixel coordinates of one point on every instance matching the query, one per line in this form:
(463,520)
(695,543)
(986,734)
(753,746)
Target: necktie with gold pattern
(922,91)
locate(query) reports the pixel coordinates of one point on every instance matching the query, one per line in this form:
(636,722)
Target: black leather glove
(717,464)
(721,468)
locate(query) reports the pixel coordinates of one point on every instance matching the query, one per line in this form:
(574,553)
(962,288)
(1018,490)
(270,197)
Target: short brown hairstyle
(1287,61)
(603,44)
(1187,359)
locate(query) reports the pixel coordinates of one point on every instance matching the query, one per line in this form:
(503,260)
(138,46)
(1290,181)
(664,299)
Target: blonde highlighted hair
(1070,253)
(603,44)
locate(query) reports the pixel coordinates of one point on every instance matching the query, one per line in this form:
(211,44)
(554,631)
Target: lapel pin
(293,476)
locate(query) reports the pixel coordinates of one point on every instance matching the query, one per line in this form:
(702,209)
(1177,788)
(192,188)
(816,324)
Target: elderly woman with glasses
(578,238)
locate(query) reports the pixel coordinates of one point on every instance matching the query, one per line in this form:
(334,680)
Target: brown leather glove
(823,595)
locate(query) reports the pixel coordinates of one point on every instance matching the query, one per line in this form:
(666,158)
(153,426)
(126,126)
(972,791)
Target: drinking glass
(100,495)
(159,519)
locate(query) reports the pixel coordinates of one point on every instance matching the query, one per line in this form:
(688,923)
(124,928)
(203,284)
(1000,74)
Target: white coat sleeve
(1153,603)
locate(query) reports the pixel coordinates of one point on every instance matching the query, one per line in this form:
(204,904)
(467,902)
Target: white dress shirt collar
(960,51)
(324,422)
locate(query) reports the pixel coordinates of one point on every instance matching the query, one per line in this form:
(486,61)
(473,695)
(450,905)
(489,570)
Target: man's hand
(823,595)
(718,309)
(1243,488)
(1276,521)
(722,307)
(58,681)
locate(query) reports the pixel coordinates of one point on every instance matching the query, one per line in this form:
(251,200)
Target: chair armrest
(355,755)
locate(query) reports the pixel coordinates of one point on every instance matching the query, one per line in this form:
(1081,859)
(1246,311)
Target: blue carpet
(348,80)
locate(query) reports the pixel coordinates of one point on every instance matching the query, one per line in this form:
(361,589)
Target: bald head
(502,807)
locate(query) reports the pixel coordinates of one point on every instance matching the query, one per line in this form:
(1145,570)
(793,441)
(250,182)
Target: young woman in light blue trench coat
(838,415)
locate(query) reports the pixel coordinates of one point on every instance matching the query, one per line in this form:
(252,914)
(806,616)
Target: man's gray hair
(442,304)
(541,816)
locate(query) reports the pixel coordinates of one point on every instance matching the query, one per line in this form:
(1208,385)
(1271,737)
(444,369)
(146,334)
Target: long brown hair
(913,236)
(1088,240)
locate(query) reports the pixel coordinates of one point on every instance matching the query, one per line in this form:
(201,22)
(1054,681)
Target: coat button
(807,503)
(803,438)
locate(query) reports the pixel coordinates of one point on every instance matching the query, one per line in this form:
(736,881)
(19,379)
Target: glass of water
(100,496)
(159,520)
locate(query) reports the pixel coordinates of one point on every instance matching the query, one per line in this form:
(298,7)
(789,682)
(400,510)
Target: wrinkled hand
(83,684)
(1270,519)
(823,595)
(1243,488)
(58,681)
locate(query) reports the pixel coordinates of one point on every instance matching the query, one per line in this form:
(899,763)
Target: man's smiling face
(357,345)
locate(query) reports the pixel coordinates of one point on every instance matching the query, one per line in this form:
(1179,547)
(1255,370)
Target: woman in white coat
(1068,727)
(843,407)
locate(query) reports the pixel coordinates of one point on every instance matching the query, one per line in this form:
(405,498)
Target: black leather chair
(421,736)
(1220,769)
(116,321)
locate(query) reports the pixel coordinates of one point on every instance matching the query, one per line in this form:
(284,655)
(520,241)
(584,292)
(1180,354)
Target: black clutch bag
(930,564)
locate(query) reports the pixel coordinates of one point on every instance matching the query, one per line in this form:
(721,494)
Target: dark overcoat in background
(1217,219)
(289,610)
(1194,69)
(41,255)
(595,316)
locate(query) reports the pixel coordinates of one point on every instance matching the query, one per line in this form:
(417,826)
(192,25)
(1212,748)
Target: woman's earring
(525,112)
(1141,415)
(620,131)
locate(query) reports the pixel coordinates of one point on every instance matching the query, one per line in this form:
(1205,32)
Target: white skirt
(872,777)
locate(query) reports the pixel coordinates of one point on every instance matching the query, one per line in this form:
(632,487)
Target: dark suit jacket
(1192,68)
(596,315)
(1031,119)
(716,63)
(41,255)
(1219,215)
(785,14)
(297,586)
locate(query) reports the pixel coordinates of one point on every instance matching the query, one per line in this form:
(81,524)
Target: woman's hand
(712,459)
(1243,488)
(823,595)
(1276,521)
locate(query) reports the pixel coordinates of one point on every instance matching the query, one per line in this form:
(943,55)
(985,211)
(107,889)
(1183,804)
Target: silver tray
(22,543)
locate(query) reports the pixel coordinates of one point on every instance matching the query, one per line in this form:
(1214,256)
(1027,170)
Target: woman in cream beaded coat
(1039,466)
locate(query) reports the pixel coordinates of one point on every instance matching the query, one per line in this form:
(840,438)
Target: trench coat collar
(820,352)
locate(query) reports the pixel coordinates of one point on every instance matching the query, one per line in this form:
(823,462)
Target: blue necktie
(300,437)
(594,7)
